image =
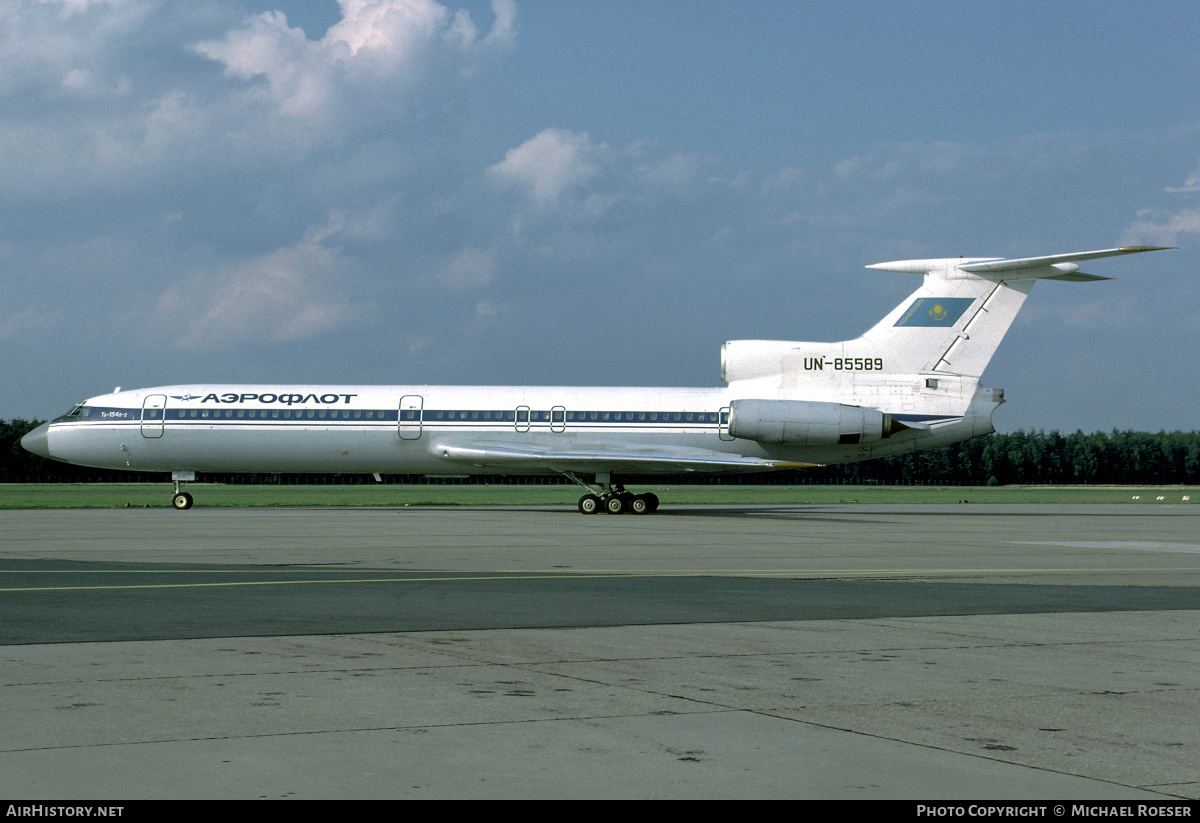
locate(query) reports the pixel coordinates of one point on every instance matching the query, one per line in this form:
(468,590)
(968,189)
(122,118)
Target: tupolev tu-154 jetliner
(909,383)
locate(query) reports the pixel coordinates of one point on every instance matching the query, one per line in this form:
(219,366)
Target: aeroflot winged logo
(935,311)
(267,397)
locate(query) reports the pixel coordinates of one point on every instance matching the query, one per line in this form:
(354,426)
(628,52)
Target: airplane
(910,383)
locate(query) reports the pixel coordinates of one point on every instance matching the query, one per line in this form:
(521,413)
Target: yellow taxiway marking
(460,576)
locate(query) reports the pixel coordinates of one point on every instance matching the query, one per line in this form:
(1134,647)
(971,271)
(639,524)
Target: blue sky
(589,193)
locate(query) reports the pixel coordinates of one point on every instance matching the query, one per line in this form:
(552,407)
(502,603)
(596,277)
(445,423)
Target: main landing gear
(182,501)
(619,503)
(605,496)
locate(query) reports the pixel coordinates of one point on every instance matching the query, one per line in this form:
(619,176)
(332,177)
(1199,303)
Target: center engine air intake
(809,423)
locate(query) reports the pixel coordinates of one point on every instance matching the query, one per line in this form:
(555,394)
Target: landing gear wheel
(652,500)
(615,504)
(182,501)
(589,504)
(640,505)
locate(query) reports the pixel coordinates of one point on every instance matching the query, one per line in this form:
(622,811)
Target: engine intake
(809,423)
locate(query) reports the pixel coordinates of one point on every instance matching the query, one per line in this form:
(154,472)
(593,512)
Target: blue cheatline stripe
(456,418)
(427,416)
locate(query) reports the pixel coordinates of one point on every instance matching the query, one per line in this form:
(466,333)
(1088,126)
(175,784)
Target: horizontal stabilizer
(1046,267)
(1052,260)
(1077,277)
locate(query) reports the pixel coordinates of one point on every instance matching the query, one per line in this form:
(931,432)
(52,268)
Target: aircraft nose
(37,441)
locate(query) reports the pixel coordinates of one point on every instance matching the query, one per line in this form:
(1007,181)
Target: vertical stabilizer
(927,355)
(952,324)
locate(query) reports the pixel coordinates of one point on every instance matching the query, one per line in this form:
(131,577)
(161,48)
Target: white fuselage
(436,430)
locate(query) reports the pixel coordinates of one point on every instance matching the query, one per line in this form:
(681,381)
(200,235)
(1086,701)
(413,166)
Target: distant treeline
(1119,457)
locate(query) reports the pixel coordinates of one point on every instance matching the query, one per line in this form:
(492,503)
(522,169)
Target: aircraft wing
(624,460)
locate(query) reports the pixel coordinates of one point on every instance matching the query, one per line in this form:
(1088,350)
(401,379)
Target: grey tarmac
(921,652)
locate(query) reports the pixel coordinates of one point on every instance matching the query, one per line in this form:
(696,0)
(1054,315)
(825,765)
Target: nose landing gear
(182,501)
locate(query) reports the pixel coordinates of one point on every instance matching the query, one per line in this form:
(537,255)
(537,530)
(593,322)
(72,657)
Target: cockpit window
(79,412)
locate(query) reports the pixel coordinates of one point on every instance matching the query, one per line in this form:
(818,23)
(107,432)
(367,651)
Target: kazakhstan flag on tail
(935,311)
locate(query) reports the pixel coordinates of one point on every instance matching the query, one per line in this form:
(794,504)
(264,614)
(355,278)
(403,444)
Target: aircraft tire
(615,504)
(652,499)
(640,504)
(589,504)
(182,501)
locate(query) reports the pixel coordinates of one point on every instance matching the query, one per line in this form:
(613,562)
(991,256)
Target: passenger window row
(553,416)
(558,415)
(270,414)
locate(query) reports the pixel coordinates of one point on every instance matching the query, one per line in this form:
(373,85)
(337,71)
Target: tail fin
(927,354)
(954,323)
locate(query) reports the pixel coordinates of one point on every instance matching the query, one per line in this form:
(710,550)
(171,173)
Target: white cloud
(1111,314)
(384,36)
(550,163)
(470,267)
(298,79)
(293,293)
(67,46)
(784,180)
(1191,184)
(1163,231)
(676,171)
(95,95)
(383,47)
(29,319)
(892,160)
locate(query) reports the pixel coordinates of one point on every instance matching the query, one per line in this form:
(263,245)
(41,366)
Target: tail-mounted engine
(809,423)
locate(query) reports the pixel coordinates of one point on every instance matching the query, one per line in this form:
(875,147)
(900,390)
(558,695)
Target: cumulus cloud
(298,81)
(550,163)
(55,47)
(380,46)
(1191,184)
(676,171)
(1162,230)
(293,293)
(72,102)
(109,93)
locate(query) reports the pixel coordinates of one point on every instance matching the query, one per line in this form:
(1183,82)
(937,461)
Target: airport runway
(935,652)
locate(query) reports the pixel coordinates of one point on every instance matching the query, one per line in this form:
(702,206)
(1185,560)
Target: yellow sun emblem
(938,312)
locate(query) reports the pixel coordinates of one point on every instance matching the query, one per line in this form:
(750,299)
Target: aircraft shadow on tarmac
(809,511)
(62,601)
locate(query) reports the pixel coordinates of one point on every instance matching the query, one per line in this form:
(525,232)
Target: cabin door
(723,425)
(409,420)
(154,409)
